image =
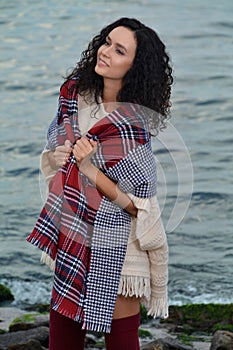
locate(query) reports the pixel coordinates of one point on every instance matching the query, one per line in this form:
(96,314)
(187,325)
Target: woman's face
(115,57)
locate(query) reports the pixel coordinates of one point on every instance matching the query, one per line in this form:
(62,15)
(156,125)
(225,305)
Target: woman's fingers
(94,144)
(62,153)
(84,149)
(68,145)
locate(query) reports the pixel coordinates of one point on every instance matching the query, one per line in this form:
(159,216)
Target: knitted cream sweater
(145,270)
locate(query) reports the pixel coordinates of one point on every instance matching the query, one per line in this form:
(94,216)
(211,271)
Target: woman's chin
(99,70)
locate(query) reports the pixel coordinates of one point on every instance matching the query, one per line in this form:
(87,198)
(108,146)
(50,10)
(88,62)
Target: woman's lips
(102,63)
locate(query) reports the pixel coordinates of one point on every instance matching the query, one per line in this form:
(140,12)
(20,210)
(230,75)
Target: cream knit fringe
(140,287)
(45,259)
(134,285)
(157,307)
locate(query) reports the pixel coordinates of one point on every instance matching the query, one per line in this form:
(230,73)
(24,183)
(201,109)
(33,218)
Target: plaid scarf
(78,226)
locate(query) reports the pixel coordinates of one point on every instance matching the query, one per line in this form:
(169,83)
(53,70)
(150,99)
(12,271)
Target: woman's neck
(110,92)
(111,89)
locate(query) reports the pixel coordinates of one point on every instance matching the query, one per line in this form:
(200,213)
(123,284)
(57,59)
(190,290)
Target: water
(39,41)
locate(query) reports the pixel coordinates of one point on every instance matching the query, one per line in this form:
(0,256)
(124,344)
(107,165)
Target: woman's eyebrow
(117,44)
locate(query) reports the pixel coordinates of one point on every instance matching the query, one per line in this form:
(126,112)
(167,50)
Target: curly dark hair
(147,83)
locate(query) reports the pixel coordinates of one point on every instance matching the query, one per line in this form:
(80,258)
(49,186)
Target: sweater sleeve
(158,303)
(149,229)
(150,233)
(47,170)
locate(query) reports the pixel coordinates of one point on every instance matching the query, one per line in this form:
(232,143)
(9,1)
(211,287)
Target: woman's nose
(106,50)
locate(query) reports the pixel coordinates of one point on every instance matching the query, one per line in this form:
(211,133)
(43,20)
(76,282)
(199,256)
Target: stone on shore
(205,317)
(5,294)
(29,321)
(40,334)
(222,340)
(7,315)
(167,343)
(29,345)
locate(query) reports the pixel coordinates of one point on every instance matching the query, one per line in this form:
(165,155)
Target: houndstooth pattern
(108,247)
(139,167)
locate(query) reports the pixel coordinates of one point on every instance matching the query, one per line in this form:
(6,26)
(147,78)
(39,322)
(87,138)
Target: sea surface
(40,41)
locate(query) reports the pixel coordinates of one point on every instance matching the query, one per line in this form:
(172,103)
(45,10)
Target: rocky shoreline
(189,327)
(29,330)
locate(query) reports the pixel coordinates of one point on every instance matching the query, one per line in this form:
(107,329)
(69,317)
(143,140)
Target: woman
(101,223)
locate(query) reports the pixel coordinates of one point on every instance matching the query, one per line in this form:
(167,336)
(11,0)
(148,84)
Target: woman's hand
(83,151)
(62,153)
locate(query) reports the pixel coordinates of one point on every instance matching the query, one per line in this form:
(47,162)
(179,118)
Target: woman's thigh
(126,306)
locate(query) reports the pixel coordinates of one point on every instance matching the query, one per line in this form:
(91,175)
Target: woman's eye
(119,52)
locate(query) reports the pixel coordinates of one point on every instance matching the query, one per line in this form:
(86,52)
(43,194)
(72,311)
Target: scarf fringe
(157,307)
(86,325)
(90,326)
(134,285)
(47,260)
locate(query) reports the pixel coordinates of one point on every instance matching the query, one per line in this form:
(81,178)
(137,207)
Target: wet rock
(38,308)
(5,294)
(29,321)
(94,340)
(7,315)
(30,345)
(195,317)
(167,343)
(90,339)
(41,334)
(222,340)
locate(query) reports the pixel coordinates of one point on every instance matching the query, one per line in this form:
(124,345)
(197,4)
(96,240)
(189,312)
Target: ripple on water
(25,172)
(210,197)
